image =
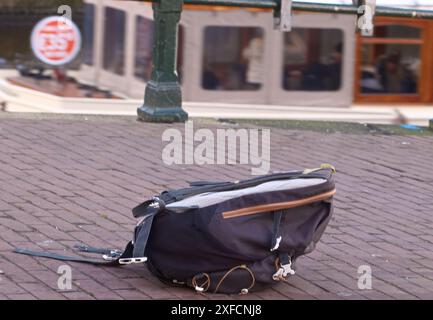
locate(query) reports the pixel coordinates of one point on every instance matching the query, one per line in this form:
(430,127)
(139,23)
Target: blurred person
(254,54)
(209,78)
(394,76)
(335,67)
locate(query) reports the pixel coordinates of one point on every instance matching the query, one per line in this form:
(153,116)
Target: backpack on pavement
(226,237)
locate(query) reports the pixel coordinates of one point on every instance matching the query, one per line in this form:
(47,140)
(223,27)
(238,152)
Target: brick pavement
(66,180)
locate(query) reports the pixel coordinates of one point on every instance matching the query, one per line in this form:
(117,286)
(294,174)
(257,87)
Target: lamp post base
(166,115)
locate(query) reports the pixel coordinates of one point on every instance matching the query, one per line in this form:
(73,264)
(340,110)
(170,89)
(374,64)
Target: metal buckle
(158,203)
(114,254)
(199,289)
(127,261)
(283,272)
(107,257)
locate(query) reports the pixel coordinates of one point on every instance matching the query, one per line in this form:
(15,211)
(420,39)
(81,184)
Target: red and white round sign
(56,40)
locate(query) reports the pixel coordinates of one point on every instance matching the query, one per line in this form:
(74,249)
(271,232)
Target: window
(13,49)
(144,49)
(89,33)
(233,58)
(391,61)
(313,59)
(114,41)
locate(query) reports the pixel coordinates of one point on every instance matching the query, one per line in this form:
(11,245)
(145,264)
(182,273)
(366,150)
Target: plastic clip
(132,260)
(283,272)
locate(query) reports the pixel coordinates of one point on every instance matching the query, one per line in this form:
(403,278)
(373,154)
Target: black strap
(208,183)
(141,210)
(127,253)
(149,207)
(142,233)
(276,229)
(85,248)
(132,250)
(285,258)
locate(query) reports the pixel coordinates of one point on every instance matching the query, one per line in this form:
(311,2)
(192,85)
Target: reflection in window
(390,68)
(114,41)
(313,59)
(144,49)
(397,31)
(233,58)
(13,49)
(89,33)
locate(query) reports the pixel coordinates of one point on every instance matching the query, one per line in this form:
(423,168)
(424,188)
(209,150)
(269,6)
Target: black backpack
(226,237)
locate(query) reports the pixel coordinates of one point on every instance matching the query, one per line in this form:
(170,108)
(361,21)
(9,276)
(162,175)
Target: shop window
(391,61)
(114,41)
(233,58)
(313,59)
(144,49)
(89,33)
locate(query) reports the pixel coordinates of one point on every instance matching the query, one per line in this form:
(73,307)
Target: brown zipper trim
(278,206)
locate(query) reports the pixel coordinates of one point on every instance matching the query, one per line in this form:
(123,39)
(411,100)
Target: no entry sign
(56,40)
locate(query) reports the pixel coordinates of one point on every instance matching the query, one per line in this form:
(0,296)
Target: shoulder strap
(111,257)
(141,235)
(150,207)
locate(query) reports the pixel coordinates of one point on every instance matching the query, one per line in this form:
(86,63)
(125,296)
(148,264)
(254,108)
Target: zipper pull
(323,166)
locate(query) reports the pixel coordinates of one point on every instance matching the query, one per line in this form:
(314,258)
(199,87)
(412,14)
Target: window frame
(425,87)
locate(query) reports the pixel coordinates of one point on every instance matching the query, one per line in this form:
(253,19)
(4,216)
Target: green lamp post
(163,96)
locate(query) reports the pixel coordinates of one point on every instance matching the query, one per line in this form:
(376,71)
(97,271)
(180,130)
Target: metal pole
(349,9)
(163,96)
(264,4)
(316,7)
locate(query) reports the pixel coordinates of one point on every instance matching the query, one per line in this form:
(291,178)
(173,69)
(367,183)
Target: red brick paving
(67,180)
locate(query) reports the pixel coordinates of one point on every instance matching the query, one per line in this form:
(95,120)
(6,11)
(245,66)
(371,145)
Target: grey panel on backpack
(211,198)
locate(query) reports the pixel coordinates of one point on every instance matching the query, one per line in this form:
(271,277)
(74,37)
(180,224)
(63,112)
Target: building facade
(236,56)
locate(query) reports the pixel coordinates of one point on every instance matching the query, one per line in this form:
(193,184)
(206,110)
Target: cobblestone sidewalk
(67,180)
